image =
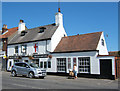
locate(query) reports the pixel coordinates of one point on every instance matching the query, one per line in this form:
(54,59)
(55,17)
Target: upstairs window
(41,30)
(24,49)
(16,49)
(23,33)
(102,41)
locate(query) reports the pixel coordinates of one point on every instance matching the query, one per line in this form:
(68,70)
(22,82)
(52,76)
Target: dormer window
(102,41)
(42,30)
(23,33)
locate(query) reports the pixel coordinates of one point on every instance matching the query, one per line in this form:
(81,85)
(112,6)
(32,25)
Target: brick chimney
(4,28)
(21,26)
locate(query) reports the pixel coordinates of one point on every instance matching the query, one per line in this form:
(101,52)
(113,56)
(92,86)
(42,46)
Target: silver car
(31,70)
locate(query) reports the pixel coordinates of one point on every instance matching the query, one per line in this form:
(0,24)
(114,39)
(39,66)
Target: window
(42,29)
(69,63)
(45,64)
(74,61)
(23,33)
(36,61)
(23,48)
(26,61)
(41,64)
(10,64)
(102,41)
(84,65)
(49,64)
(16,61)
(16,49)
(61,64)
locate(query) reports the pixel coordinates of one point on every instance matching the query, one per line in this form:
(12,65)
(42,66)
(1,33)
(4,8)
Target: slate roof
(84,42)
(33,35)
(9,33)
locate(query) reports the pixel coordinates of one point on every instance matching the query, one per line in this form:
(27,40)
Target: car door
(18,68)
(25,69)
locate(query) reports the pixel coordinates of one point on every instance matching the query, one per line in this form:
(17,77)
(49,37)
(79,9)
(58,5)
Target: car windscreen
(33,65)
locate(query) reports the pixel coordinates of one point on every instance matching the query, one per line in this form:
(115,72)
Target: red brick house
(5,36)
(117,62)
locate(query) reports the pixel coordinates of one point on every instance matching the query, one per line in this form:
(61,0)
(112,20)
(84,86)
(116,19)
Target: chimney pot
(21,21)
(4,25)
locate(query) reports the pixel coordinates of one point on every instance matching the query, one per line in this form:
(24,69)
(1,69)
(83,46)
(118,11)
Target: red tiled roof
(84,42)
(9,33)
(104,55)
(114,53)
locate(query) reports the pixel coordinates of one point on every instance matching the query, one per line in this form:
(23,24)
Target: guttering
(75,51)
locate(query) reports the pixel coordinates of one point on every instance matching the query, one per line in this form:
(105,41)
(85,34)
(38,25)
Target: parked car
(25,69)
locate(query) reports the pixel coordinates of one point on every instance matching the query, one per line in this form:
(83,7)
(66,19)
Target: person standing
(75,70)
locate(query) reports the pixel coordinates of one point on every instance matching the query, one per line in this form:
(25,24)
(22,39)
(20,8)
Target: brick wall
(117,59)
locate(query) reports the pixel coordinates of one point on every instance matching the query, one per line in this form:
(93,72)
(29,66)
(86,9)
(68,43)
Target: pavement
(55,82)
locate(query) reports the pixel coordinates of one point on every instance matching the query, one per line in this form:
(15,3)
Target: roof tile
(84,42)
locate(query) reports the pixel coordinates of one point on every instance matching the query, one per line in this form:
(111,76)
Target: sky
(78,17)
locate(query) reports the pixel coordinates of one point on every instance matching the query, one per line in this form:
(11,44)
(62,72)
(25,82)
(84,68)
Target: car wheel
(31,75)
(14,73)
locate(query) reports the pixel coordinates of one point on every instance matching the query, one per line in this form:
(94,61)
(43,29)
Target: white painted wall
(30,48)
(59,19)
(11,50)
(57,36)
(8,64)
(102,49)
(92,55)
(21,27)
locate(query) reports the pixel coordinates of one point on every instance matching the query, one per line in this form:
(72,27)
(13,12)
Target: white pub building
(50,48)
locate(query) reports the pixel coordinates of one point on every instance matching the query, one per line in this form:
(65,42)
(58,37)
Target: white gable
(102,47)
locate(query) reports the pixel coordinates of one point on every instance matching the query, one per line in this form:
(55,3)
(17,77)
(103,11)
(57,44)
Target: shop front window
(61,64)
(45,64)
(69,63)
(84,64)
(74,61)
(41,64)
(49,64)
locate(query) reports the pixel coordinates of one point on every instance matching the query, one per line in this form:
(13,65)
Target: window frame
(16,49)
(40,64)
(103,42)
(25,46)
(45,66)
(49,64)
(69,63)
(84,65)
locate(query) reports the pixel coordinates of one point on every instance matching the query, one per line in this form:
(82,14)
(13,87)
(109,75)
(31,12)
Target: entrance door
(106,68)
(61,64)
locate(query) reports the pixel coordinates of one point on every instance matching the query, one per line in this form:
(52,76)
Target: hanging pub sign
(14,57)
(40,56)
